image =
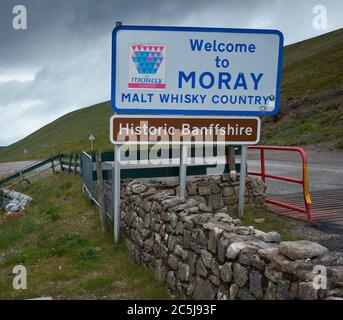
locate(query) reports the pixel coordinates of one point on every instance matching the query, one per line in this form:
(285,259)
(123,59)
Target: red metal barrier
(303,181)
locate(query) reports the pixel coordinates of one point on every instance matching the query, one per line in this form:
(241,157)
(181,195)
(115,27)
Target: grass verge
(60,243)
(273,222)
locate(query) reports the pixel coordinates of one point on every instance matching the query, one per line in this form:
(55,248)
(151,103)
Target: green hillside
(68,133)
(311,110)
(313,65)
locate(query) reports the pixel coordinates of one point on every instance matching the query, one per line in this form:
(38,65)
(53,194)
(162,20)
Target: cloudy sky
(62,61)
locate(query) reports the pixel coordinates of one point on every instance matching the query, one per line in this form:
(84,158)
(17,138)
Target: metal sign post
(116,193)
(183,170)
(242,182)
(91,139)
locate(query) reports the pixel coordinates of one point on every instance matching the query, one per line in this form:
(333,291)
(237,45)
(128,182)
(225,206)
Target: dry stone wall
(214,193)
(201,252)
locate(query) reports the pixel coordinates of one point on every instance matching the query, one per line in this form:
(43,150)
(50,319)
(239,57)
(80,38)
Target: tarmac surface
(6,168)
(325,169)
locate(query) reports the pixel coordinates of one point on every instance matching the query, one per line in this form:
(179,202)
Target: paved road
(325,170)
(7,168)
(325,173)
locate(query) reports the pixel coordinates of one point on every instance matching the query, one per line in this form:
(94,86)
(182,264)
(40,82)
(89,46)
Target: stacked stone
(13,201)
(217,192)
(206,255)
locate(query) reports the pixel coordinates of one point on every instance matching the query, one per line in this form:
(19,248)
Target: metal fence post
(116,193)
(53,165)
(70,162)
(61,162)
(21,177)
(183,170)
(263,167)
(81,165)
(241,200)
(75,163)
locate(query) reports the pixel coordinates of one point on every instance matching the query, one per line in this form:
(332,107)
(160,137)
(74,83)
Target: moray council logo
(147,66)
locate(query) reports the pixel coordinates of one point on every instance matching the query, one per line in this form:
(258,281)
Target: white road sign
(170,70)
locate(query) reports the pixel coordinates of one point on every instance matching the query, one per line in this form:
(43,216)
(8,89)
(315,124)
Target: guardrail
(70,163)
(304,181)
(20,173)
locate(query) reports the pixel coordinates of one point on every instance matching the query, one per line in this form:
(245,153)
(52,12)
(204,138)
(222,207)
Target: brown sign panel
(184,129)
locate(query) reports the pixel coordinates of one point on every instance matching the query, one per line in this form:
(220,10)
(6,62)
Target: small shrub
(88,254)
(75,240)
(65,186)
(62,189)
(97,284)
(70,242)
(57,252)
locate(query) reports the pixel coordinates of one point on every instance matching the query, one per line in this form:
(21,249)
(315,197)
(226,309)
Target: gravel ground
(335,231)
(335,243)
(323,232)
